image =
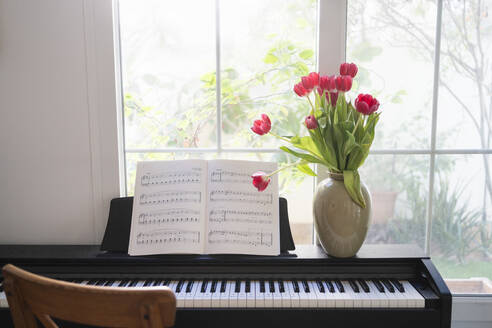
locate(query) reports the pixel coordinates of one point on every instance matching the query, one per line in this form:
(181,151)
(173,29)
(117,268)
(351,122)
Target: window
(428,62)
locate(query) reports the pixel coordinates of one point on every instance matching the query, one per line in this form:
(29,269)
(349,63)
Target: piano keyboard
(275,293)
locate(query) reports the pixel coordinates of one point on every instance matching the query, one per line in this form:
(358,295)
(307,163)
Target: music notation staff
(257,217)
(219,175)
(241,197)
(168,236)
(171,178)
(177,215)
(255,238)
(166,197)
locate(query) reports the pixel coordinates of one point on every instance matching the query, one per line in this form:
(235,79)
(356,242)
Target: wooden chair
(31,296)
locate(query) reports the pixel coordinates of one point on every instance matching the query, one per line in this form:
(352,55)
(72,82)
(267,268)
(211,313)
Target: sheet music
(241,220)
(169,207)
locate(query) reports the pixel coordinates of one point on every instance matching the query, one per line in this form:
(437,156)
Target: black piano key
(262,286)
(157,282)
(388,285)
(281,286)
(123,283)
(1,287)
(223,285)
(132,283)
(248,286)
(109,283)
(354,286)
(166,282)
(339,285)
(378,285)
(330,286)
(189,286)
(214,286)
(321,288)
(271,286)
(180,286)
(296,286)
(203,288)
(364,285)
(305,286)
(101,282)
(92,282)
(148,283)
(398,285)
(237,287)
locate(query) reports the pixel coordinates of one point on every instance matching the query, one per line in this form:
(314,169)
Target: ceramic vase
(340,223)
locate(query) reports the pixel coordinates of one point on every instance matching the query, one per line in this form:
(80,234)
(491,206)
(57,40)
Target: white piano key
(241,296)
(233,295)
(365,298)
(330,297)
(181,295)
(286,298)
(381,297)
(401,299)
(338,296)
(189,297)
(268,295)
(294,297)
(224,297)
(251,296)
(354,299)
(413,295)
(349,301)
(313,296)
(259,296)
(304,300)
(277,297)
(200,298)
(3,300)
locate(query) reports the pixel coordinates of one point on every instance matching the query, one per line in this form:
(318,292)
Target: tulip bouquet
(339,133)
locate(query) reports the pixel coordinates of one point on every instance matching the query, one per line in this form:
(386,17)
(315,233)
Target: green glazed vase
(340,223)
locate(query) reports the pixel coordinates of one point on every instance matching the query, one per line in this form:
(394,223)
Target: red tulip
(307,83)
(333,98)
(311,122)
(262,126)
(260,180)
(314,78)
(366,104)
(343,83)
(348,69)
(299,90)
(327,83)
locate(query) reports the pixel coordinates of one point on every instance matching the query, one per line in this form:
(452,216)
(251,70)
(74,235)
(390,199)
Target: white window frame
(331,51)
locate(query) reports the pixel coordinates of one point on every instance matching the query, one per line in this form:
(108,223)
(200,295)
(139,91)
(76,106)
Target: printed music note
(228,215)
(220,175)
(254,238)
(168,236)
(175,215)
(166,197)
(171,178)
(241,197)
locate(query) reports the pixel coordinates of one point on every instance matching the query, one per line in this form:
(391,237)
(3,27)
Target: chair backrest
(31,296)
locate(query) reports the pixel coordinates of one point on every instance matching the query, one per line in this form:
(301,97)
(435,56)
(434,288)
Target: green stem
(285,167)
(279,137)
(312,110)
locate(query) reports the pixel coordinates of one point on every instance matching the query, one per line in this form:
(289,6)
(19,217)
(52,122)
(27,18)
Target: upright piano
(383,286)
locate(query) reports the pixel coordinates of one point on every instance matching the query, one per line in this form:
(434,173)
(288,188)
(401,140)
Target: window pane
(465,102)
(266,47)
(295,186)
(166,52)
(461,242)
(393,44)
(398,186)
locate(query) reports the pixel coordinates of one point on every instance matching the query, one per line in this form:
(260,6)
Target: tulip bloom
(327,83)
(262,126)
(366,104)
(300,90)
(348,69)
(343,83)
(311,122)
(260,180)
(333,98)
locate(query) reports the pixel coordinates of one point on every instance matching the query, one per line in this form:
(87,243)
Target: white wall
(58,133)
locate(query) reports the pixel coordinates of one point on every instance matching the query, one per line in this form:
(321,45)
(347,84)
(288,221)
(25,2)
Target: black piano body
(306,262)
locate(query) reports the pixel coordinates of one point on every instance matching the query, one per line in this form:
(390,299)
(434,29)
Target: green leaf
(270,59)
(306,54)
(306,157)
(351,179)
(306,169)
